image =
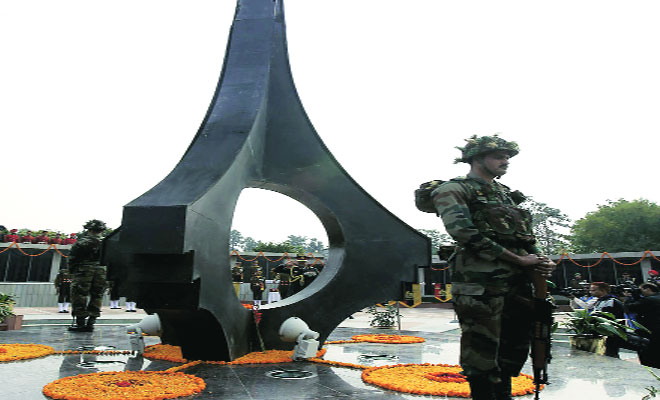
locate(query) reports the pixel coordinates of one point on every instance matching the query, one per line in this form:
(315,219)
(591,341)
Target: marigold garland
(190,364)
(164,352)
(125,385)
(337,363)
(269,357)
(393,339)
(18,351)
(434,380)
(173,353)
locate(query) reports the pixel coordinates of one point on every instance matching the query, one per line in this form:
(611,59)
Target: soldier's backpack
(423,200)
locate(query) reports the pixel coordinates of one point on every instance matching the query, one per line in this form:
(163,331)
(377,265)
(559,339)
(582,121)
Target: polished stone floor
(574,374)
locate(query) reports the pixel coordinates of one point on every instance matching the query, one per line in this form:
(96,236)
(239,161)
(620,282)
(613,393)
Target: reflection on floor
(574,374)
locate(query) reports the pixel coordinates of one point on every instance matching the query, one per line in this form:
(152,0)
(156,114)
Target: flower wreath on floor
(434,380)
(424,379)
(125,385)
(18,351)
(173,353)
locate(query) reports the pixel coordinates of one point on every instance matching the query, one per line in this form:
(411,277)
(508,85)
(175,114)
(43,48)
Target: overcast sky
(99,100)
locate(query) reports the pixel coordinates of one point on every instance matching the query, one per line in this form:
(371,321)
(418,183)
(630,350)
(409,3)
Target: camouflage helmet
(485,144)
(95,225)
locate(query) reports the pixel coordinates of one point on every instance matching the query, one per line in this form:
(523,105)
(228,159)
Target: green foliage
(383,318)
(23,232)
(437,238)
(618,226)
(547,223)
(293,244)
(297,241)
(235,239)
(249,244)
(282,247)
(7,302)
(314,246)
(597,323)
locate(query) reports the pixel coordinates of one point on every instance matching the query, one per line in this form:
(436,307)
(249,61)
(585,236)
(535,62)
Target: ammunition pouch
(506,224)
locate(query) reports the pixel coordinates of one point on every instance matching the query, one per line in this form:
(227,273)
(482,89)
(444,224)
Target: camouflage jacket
(465,206)
(85,252)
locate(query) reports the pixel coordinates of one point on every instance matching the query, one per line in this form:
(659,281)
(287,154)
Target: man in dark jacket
(647,308)
(607,302)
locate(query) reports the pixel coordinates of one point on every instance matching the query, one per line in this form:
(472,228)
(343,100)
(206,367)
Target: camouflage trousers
(89,281)
(495,332)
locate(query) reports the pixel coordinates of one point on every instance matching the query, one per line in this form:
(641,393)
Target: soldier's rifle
(541,332)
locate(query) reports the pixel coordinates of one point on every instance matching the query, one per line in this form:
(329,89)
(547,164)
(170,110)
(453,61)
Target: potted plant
(9,320)
(590,330)
(384,318)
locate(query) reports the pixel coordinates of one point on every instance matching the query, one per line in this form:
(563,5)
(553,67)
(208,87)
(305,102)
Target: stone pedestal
(12,323)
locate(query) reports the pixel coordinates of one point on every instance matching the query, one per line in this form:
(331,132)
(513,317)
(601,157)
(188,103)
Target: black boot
(90,323)
(79,326)
(503,389)
(481,388)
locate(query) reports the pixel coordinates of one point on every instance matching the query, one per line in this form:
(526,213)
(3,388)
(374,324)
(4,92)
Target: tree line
(617,226)
(293,244)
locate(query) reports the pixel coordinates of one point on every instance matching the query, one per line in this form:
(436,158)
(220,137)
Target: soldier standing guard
(237,277)
(495,249)
(310,272)
(257,283)
(89,277)
(297,277)
(283,272)
(63,290)
(114,293)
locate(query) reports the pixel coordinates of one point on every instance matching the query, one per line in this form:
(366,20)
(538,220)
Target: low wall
(42,294)
(35,294)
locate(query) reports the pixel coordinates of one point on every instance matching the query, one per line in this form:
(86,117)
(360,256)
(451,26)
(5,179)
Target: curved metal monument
(171,250)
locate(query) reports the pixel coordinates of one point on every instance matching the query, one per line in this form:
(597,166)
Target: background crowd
(628,301)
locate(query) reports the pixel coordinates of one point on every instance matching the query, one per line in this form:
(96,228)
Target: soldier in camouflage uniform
(89,277)
(495,250)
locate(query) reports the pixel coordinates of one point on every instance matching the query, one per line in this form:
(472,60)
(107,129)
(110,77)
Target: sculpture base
(12,323)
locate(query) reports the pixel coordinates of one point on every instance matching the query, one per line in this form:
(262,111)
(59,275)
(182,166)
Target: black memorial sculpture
(171,251)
